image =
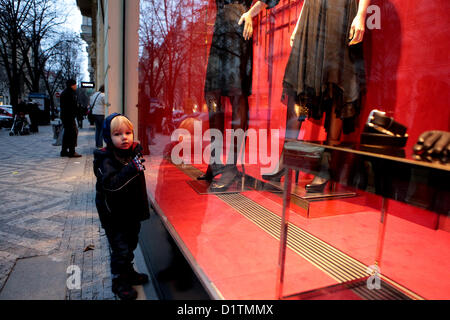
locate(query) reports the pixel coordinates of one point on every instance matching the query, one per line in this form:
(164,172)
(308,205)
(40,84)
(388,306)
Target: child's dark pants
(123,241)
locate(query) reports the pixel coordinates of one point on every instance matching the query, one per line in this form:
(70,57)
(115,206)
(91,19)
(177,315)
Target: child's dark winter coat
(122,203)
(121,192)
(121,195)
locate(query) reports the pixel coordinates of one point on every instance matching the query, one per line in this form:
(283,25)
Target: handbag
(89,112)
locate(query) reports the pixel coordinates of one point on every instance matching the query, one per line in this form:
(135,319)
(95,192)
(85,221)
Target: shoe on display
(123,289)
(208,176)
(274,177)
(226,180)
(317,185)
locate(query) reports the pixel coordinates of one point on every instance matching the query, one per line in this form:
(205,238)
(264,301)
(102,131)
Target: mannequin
(325,71)
(229,74)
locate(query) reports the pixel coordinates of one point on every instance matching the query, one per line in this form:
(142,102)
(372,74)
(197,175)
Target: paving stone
(47,207)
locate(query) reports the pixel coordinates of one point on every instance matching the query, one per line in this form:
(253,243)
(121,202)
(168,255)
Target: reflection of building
(86,35)
(109,28)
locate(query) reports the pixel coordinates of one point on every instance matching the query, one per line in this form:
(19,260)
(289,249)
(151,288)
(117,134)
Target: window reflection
(297,76)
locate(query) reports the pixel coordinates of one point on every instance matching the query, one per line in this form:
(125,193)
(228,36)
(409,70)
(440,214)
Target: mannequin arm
(247,17)
(296,27)
(359,23)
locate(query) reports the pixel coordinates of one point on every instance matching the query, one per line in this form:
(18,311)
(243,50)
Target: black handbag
(89,112)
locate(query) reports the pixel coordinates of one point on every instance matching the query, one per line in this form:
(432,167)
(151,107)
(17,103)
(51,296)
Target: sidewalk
(47,213)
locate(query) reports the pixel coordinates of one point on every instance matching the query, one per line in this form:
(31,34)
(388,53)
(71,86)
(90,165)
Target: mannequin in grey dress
(229,75)
(325,70)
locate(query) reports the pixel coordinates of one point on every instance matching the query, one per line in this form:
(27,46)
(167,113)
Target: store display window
(299,149)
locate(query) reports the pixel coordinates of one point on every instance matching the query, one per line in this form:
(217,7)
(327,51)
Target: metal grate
(325,257)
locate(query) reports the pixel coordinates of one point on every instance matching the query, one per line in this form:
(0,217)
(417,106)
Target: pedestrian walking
(81,112)
(121,200)
(98,106)
(69,110)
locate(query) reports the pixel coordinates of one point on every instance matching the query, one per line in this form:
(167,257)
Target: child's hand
(137,162)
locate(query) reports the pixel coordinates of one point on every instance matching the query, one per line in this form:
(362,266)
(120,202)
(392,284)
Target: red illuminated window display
(197,72)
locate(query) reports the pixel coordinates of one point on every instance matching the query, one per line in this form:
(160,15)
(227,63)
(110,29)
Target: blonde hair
(118,121)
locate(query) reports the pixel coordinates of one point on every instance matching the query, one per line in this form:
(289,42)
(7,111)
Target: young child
(121,200)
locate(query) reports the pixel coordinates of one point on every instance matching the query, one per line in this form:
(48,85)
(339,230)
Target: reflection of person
(325,70)
(229,74)
(69,109)
(98,105)
(21,107)
(121,200)
(80,116)
(33,111)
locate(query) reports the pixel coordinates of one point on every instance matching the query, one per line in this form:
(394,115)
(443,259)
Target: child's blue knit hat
(107,128)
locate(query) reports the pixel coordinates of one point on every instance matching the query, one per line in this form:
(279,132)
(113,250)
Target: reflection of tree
(62,63)
(173,55)
(151,59)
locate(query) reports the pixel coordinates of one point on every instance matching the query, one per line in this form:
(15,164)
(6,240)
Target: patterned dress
(322,67)
(229,70)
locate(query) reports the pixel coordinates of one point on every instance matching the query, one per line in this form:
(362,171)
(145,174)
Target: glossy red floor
(240,258)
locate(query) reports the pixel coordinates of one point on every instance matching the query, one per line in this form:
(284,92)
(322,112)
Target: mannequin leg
(293,126)
(320,181)
(240,117)
(335,130)
(293,120)
(239,120)
(216,121)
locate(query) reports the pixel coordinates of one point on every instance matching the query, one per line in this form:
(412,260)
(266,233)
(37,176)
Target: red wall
(407,70)
(407,66)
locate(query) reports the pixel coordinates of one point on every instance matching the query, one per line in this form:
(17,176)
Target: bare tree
(167,48)
(152,57)
(40,29)
(63,63)
(13,18)
(28,29)
(173,51)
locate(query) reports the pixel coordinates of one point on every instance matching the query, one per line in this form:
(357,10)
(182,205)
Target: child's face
(122,137)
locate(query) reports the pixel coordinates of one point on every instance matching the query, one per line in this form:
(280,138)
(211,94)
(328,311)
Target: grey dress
(322,67)
(229,71)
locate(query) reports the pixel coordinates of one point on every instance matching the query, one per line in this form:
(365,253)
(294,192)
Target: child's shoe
(135,278)
(123,289)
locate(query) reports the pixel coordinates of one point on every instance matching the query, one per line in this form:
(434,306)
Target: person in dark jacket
(69,111)
(121,200)
(33,110)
